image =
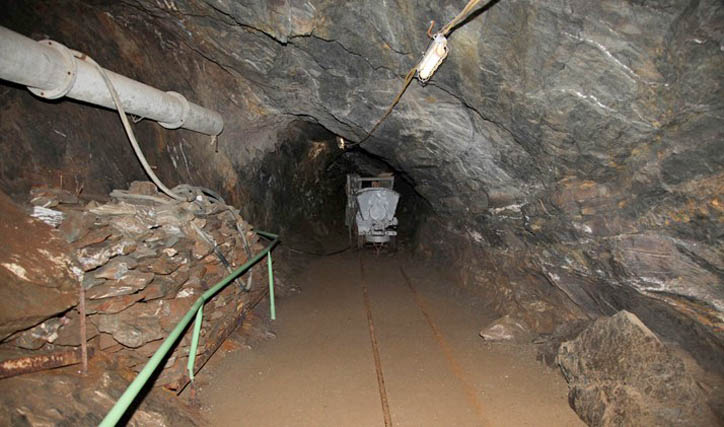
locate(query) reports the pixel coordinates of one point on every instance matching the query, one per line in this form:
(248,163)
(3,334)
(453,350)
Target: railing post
(272,307)
(195,342)
(167,345)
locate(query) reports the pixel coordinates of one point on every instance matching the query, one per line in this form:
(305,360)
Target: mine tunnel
(325,213)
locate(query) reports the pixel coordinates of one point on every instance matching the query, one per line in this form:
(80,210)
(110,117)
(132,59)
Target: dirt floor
(432,369)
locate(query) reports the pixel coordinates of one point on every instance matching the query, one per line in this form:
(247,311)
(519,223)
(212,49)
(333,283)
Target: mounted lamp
(435,54)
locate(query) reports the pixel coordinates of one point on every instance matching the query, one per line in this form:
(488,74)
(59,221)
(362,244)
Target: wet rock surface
(620,373)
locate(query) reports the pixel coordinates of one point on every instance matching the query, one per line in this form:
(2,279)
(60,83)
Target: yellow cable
(408,80)
(460,17)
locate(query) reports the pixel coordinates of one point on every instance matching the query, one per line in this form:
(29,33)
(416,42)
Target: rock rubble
(142,259)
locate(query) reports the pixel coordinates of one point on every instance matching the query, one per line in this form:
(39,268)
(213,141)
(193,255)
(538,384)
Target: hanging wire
(460,17)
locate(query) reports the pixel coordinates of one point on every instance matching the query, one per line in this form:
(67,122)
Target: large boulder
(620,374)
(36,274)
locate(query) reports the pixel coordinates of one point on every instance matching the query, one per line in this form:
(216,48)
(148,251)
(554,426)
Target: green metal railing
(196,311)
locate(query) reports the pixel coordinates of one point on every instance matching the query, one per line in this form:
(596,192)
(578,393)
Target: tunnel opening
(302,186)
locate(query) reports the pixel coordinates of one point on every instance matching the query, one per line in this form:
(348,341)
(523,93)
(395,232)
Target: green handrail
(196,310)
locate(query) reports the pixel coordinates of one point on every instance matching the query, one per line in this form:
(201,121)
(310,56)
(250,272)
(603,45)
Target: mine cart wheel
(393,243)
(360,239)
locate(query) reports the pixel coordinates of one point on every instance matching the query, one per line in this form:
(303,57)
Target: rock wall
(291,188)
(571,151)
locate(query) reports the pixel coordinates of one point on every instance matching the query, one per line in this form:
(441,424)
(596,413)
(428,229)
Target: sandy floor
(437,371)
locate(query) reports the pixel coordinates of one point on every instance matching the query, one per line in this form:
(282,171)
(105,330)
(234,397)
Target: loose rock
(507,329)
(619,373)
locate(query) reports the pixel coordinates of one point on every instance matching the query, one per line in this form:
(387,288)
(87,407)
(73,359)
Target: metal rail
(387,416)
(196,311)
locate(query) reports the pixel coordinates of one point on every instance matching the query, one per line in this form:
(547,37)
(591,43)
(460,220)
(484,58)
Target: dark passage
(302,185)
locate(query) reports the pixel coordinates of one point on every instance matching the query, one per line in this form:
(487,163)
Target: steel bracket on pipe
(70,73)
(184,111)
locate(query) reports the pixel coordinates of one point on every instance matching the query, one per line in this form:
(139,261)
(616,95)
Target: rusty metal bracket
(42,362)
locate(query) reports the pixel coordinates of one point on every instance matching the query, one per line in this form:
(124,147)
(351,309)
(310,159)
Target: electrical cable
(127,126)
(460,17)
(467,10)
(339,251)
(192,191)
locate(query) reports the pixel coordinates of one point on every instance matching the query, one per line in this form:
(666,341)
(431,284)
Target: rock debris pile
(143,260)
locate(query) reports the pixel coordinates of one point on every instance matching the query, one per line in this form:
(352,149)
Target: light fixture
(435,54)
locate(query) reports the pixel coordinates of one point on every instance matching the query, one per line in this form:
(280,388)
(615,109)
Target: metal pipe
(51,71)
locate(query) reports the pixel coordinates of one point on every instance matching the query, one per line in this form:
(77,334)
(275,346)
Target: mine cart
(370,213)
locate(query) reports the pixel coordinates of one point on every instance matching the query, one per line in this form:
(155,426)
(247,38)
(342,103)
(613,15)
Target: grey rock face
(128,283)
(91,257)
(36,337)
(117,268)
(548,350)
(619,373)
(572,152)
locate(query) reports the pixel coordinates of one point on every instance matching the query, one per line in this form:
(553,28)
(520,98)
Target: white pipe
(50,70)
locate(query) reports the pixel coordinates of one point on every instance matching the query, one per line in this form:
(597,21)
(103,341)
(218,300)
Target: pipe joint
(185,109)
(69,75)
(50,70)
